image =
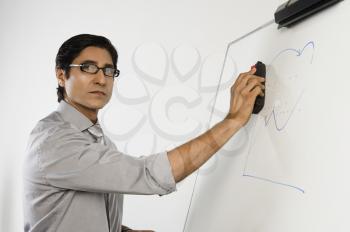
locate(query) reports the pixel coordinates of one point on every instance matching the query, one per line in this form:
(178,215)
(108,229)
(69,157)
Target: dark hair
(71,48)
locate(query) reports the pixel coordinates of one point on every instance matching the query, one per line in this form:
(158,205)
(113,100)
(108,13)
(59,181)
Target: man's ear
(61,76)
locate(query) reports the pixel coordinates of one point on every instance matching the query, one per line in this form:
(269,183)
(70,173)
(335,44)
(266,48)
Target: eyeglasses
(93,69)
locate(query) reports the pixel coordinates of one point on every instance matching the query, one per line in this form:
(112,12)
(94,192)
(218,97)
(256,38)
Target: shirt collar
(73,116)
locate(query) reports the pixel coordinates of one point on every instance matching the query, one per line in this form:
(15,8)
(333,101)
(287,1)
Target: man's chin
(96,105)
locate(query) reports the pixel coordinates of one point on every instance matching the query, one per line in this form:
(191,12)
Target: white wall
(32,31)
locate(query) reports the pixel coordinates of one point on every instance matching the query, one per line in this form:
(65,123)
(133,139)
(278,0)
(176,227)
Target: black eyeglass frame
(116,72)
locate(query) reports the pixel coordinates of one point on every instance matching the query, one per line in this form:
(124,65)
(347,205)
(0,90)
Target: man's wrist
(233,121)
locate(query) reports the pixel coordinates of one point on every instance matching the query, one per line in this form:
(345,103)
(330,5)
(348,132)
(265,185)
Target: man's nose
(100,77)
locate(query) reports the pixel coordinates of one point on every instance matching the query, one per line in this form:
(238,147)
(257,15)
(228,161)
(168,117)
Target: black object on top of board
(293,11)
(260,100)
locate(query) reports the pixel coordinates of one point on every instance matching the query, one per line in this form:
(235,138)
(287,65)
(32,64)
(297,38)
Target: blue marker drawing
(280,126)
(275,182)
(273,115)
(298,52)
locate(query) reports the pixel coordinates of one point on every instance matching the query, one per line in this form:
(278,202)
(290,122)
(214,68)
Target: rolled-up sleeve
(69,160)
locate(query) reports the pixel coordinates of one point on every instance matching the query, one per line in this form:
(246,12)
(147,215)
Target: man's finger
(244,75)
(251,85)
(257,90)
(244,78)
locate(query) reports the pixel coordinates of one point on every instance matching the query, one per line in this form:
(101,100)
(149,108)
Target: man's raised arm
(188,157)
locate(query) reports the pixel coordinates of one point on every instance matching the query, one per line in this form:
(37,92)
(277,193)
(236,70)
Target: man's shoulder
(50,131)
(51,121)
(51,125)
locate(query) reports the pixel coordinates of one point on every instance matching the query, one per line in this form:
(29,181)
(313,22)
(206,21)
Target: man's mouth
(99,93)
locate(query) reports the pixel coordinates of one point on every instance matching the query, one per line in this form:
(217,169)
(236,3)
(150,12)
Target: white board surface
(288,168)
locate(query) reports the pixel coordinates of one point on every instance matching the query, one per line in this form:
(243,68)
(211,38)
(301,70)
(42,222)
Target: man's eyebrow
(89,62)
(109,65)
(94,62)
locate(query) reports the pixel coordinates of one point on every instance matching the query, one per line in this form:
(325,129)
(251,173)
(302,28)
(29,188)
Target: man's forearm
(188,157)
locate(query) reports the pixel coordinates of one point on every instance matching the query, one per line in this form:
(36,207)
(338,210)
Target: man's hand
(243,94)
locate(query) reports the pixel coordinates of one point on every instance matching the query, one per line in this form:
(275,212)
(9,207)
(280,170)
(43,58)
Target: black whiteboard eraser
(260,100)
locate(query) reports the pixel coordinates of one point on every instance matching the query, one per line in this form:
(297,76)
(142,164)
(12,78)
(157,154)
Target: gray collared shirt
(73,183)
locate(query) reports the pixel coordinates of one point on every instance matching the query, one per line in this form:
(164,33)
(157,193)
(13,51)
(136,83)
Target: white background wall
(30,35)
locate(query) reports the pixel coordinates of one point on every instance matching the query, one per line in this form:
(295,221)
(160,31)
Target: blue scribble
(273,115)
(275,182)
(298,52)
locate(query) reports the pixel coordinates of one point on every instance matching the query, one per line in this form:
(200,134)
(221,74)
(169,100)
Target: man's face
(86,90)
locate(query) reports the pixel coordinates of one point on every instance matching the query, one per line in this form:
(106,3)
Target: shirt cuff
(162,172)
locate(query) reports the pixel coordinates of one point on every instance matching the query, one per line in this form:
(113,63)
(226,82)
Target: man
(74,176)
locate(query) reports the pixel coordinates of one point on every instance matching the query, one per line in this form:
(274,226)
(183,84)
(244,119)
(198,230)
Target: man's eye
(109,71)
(89,67)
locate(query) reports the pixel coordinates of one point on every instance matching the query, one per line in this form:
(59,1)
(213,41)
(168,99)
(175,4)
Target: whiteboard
(288,168)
